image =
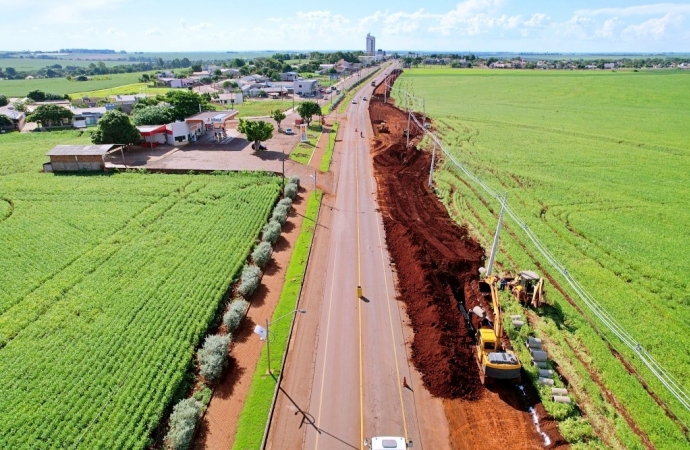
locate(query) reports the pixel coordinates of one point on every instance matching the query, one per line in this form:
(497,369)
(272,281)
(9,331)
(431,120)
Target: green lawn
(19,88)
(303,150)
(596,164)
(109,283)
(134,88)
(328,154)
(252,421)
(259,108)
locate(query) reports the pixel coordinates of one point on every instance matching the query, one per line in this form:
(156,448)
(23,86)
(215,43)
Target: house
(18,118)
(78,158)
(178,133)
(231,73)
(306,87)
(126,102)
(289,76)
(175,82)
(325,68)
(87,117)
(610,65)
(230,99)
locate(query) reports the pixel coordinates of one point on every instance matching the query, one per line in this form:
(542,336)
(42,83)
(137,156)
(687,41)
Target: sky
(582,26)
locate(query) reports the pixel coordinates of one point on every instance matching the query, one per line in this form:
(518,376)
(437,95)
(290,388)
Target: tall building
(371,45)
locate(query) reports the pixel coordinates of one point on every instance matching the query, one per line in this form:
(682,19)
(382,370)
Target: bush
(271,232)
(249,281)
(290,190)
(183,420)
(204,396)
(213,356)
(262,254)
(280,214)
(235,313)
(294,180)
(286,202)
(3,100)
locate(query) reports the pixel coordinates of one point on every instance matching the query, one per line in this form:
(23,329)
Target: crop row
(99,361)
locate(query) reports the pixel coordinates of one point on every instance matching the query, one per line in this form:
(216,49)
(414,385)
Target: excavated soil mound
(436,261)
(437,264)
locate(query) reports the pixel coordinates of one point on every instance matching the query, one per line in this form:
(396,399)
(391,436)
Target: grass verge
(252,421)
(303,150)
(328,153)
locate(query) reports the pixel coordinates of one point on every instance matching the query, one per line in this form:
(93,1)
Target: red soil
(437,265)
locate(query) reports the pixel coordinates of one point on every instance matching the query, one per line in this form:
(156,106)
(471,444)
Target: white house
(232,98)
(306,87)
(177,133)
(289,76)
(609,65)
(87,117)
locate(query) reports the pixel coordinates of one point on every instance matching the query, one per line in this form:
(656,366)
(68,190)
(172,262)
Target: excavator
(495,360)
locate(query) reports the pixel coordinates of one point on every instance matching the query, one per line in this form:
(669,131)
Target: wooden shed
(78,158)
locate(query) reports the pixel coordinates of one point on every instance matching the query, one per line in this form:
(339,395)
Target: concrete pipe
(545,373)
(540,364)
(539,355)
(559,391)
(516,317)
(518,323)
(546,381)
(533,341)
(533,345)
(561,399)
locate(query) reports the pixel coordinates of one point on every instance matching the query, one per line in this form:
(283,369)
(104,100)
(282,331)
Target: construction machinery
(528,289)
(496,361)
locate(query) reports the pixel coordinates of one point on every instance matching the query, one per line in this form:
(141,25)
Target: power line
(667,379)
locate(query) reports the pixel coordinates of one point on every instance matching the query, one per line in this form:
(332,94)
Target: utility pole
(409,114)
(494,247)
(433,161)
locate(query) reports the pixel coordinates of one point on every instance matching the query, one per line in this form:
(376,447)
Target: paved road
(348,360)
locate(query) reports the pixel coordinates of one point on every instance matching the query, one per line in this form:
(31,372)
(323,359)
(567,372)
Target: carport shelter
(153,134)
(78,158)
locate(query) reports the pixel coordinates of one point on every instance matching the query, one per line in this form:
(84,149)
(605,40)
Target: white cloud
(197,27)
(656,28)
(639,10)
(609,29)
(156,31)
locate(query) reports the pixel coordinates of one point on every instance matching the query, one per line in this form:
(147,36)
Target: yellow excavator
(496,361)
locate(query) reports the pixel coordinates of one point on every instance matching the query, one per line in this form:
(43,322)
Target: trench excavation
(437,263)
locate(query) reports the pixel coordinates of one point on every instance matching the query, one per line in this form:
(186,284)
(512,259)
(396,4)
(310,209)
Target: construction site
(437,264)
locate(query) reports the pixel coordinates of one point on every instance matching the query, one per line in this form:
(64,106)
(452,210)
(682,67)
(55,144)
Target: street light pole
(268,337)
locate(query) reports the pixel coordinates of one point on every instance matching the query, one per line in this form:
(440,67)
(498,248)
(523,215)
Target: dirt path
(218,428)
(437,265)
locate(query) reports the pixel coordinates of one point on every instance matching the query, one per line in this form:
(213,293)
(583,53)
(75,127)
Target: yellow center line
(359,304)
(325,354)
(390,319)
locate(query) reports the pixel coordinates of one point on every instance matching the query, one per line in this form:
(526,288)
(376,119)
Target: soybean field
(596,164)
(109,283)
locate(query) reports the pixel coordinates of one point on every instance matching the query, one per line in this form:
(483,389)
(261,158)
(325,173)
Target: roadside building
(230,99)
(306,87)
(153,135)
(126,102)
(209,121)
(78,158)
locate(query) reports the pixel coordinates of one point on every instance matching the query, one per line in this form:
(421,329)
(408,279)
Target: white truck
(387,443)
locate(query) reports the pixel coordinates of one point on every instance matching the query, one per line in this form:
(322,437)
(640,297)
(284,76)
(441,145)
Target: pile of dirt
(437,262)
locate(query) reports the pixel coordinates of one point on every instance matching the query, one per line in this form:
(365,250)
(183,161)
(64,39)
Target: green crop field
(109,282)
(19,88)
(596,164)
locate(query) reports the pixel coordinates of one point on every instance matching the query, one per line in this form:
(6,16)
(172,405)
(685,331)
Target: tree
(256,131)
(308,109)
(152,115)
(115,128)
(185,103)
(37,95)
(196,68)
(278,116)
(50,115)
(11,72)
(5,121)
(3,100)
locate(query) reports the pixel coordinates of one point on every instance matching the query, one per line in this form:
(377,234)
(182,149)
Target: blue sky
(442,25)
